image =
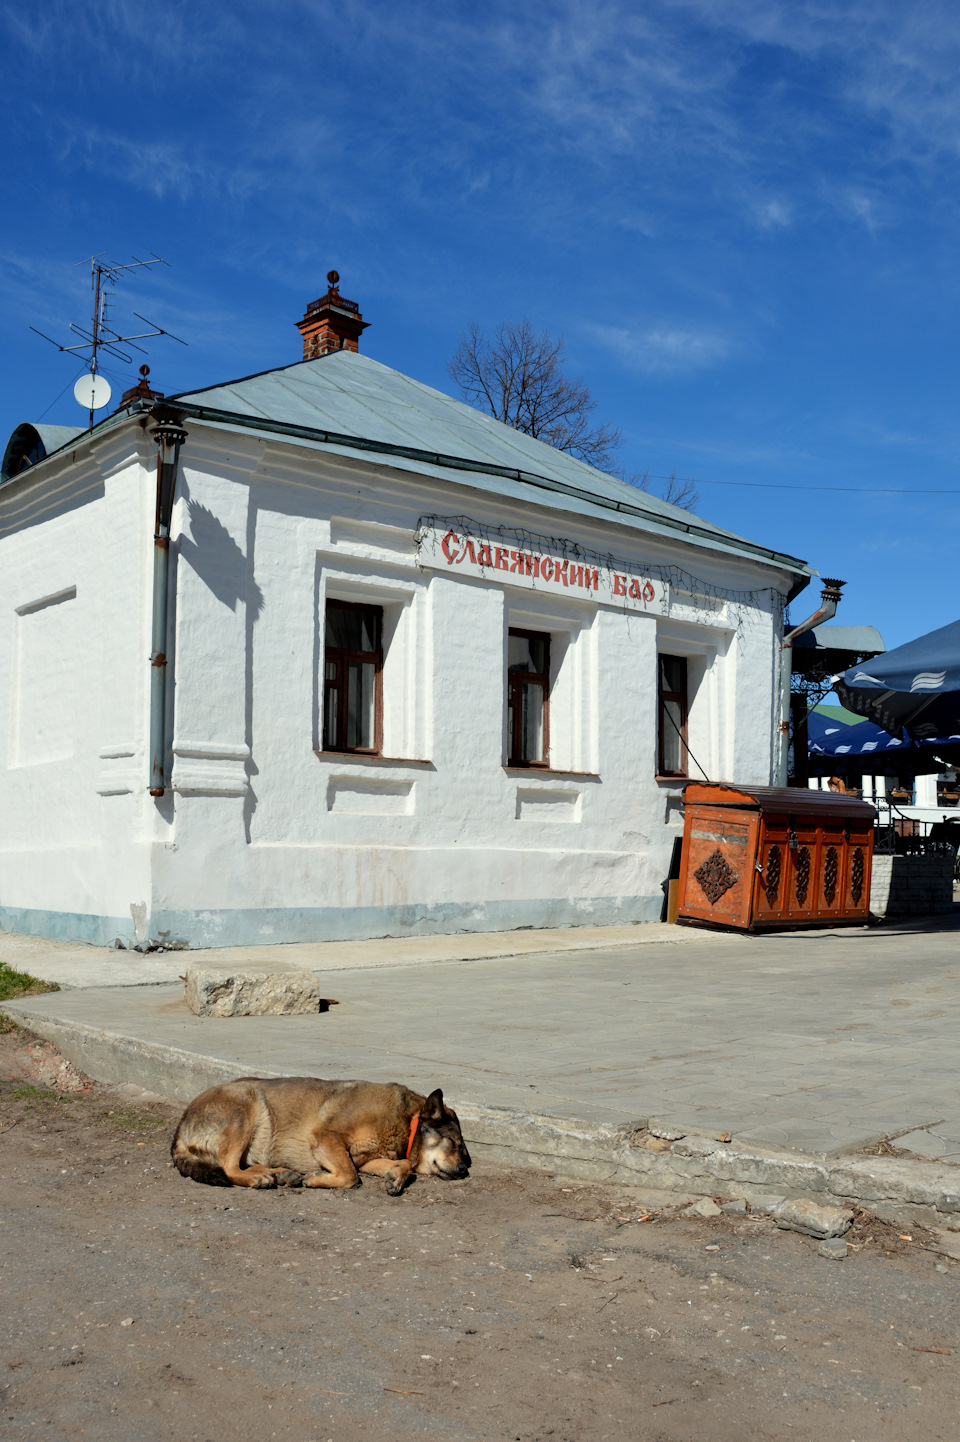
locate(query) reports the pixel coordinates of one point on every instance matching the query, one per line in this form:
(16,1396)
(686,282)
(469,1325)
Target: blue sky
(743,217)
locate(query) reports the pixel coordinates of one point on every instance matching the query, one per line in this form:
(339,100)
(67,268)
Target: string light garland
(758,598)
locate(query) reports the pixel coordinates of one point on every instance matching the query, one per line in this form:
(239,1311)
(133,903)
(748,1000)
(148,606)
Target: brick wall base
(911,885)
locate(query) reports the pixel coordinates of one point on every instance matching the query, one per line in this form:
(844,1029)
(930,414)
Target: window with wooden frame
(672,716)
(352,678)
(528,698)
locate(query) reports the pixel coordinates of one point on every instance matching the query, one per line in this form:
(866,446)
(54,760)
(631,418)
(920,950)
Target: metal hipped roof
(864,640)
(826,649)
(30,443)
(354,403)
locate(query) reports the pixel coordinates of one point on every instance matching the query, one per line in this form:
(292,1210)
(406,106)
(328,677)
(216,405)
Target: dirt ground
(136,1304)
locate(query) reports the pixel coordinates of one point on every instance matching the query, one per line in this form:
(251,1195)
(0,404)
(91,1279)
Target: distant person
(836,783)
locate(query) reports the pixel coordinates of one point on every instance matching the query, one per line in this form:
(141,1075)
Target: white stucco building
(411,668)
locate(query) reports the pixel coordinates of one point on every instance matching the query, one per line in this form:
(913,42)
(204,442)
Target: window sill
(365,758)
(546,771)
(673,780)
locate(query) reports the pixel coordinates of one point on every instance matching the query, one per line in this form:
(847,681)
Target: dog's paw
(288,1178)
(266,1180)
(394,1184)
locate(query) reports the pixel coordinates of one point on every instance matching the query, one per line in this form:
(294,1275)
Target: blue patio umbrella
(912,692)
(838,741)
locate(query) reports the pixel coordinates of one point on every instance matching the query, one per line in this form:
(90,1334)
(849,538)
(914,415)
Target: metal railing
(898,835)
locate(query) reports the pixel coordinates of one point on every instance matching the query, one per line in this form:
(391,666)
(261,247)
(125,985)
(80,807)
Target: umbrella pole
(829,597)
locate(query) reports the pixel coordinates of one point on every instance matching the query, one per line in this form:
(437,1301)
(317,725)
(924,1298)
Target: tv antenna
(92,390)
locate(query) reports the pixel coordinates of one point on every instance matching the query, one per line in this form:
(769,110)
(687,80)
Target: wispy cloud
(753,98)
(127,41)
(665,349)
(871,211)
(41,290)
(896,63)
(774,214)
(160,168)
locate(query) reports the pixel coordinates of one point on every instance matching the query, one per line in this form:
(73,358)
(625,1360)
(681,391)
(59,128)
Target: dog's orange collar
(414,1123)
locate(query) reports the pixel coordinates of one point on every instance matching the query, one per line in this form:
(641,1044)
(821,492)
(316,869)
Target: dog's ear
(433,1108)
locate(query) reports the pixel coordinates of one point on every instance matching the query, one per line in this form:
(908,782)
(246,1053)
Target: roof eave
(703,536)
(699,535)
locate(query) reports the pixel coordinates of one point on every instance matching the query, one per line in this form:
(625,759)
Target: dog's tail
(197,1168)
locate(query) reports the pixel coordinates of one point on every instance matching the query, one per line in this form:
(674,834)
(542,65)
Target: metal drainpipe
(169,436)
(829,598)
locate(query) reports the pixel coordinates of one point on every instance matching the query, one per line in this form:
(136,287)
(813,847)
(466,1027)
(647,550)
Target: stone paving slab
(933,1143)
(820,1043)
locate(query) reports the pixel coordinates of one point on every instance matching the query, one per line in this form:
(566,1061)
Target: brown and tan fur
(293,1131)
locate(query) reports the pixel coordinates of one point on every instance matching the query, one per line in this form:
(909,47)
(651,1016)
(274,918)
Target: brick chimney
(331,323)
(142,391)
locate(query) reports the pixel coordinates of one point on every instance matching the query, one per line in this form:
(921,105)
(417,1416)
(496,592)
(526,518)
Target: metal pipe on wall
(169,436)
(829,599)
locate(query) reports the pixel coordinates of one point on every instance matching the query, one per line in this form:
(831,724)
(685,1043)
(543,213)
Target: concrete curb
(111,1057)
(692,1163)
(702,1165)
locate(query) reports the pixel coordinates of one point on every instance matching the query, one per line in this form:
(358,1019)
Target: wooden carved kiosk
(774,856)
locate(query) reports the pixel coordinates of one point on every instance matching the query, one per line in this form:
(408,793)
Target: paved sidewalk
(73,963)
(816,1041)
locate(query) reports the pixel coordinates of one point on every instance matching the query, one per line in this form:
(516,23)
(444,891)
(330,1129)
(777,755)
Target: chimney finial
(331,323)
(143,391)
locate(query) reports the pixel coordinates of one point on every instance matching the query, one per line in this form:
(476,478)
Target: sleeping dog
(299,1131)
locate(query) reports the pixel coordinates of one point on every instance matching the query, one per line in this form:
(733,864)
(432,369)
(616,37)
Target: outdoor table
(774,856)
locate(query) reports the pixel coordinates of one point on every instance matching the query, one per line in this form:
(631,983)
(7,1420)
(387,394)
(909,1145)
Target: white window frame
(406,671)
(708,740)
(573,699)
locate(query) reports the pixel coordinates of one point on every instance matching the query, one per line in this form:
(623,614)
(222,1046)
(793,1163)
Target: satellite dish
(93,392)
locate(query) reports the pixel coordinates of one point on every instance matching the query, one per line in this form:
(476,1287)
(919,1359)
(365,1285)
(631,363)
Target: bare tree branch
(517,376)
(675,490)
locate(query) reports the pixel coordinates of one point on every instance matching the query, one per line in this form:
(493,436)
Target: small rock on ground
(737,1207)
(704,1208)
(800,1215)
(833,1247)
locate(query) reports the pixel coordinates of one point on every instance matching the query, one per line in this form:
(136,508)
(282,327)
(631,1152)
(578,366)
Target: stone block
(800,1215)
(250,991)
(947,1243)
(875,1179)
(765,1206)
(695,1146)
(734,1208)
